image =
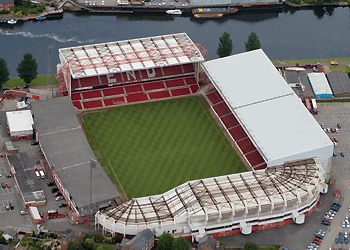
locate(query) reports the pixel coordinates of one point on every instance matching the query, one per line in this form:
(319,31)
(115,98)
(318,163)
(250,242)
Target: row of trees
(27,69)
(225,44)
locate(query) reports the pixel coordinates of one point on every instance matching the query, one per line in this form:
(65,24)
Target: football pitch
(153,147)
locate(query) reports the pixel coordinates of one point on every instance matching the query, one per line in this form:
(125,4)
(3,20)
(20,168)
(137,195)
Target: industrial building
(340,83)
(20,124)
(79,177)
(319,85)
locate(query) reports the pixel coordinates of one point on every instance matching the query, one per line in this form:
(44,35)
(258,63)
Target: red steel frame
(64,77)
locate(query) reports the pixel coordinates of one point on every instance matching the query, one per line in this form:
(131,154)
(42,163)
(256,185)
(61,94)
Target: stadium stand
(113,91)
(237,133)
(136,97)
(153,86)
(76,96)
(135,88)
(229,120)
(180,92)
(175,83)
(77,104)
(221,109)
(75,83)
(194,88)
(188,68)
(246,145)
(215,97)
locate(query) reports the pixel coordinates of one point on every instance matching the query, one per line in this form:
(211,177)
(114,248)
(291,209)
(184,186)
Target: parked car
(9,176)
(51,184)
(34,143)
(17,87)
(7,207)
(339,205)
(20,99)
(322,125)
(336,240)
(54,190)
(328,130)
(8,185)
(334,154)
(335,139)
(3,185)
(58,198)
(25,87)
(334,63)
(62,205)
(5,88)
(23,212)
(333,130)
(338,125)
(346,240)
(336,130)
(11,206)
(342,154)
(57,194)
(341,241)
(325,223)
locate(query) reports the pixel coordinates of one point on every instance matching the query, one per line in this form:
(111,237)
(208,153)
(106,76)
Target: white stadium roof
(267,108)
(143,53)
(212,198)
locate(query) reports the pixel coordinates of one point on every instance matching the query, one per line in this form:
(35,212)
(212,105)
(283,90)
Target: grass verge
(38,81)
(154,147)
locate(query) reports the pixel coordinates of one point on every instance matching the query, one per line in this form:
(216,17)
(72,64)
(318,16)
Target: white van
(42,174)
(37,174)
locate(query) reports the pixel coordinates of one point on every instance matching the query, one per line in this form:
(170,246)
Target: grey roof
(10,231)
(340,82)
(68,151)
(6,247)
(207,241)
(293,76)
(141,239)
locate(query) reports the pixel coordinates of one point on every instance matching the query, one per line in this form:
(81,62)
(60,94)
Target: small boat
(208,15)
(174,12)
(12,21)
(41,18)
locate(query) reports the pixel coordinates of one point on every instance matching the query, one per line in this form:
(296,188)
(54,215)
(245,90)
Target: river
(285,34)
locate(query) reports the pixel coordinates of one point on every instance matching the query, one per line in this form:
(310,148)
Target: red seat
(261,166)
(91,94)
(190,80)
(113,91)
(254,158)
(229,120)
(221,109)
(92,104)
(159,94)
(138,97)
(75,96)
(174,83)
(188,68)
(172,70)
(153,85)
(77,104)
(194,88)
(133,88)
(75,84)
(237,133)
(246,145)
(114,101)
(215,97)
(89,81)
(179,92)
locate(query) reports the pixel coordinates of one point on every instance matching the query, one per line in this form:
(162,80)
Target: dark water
(285,34)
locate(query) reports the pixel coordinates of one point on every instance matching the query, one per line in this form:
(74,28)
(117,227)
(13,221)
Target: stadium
(286,152)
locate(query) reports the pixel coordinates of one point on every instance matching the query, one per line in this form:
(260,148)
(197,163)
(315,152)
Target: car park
(3,185)
(8,185)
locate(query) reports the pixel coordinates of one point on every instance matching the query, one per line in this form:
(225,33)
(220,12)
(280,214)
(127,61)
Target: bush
(4,12)
(99,237)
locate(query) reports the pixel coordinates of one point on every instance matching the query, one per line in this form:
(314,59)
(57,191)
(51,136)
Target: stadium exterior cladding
(227,204)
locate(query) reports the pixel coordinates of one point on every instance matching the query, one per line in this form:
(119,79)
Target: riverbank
(49,12)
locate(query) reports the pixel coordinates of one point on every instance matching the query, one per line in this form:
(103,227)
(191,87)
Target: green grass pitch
(154,147)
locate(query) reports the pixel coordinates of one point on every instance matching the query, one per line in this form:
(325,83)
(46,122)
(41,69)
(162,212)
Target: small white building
(20,123)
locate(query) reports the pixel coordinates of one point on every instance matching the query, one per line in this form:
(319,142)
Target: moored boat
(41,18)
(12,21)
(208,15)
(174,12)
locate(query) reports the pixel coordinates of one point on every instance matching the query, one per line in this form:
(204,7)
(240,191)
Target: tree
(28,68)
(2,240)
(4,72)
(225,45)
(99,237)
(165,242)
(181,244)
(72,246)
(250,246)
(253,42)
(89,244)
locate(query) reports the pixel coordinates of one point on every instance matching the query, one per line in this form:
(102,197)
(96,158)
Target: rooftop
(319,84)
(340,82)
(68,151)
(127,55)
(19,120)
(267,108)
